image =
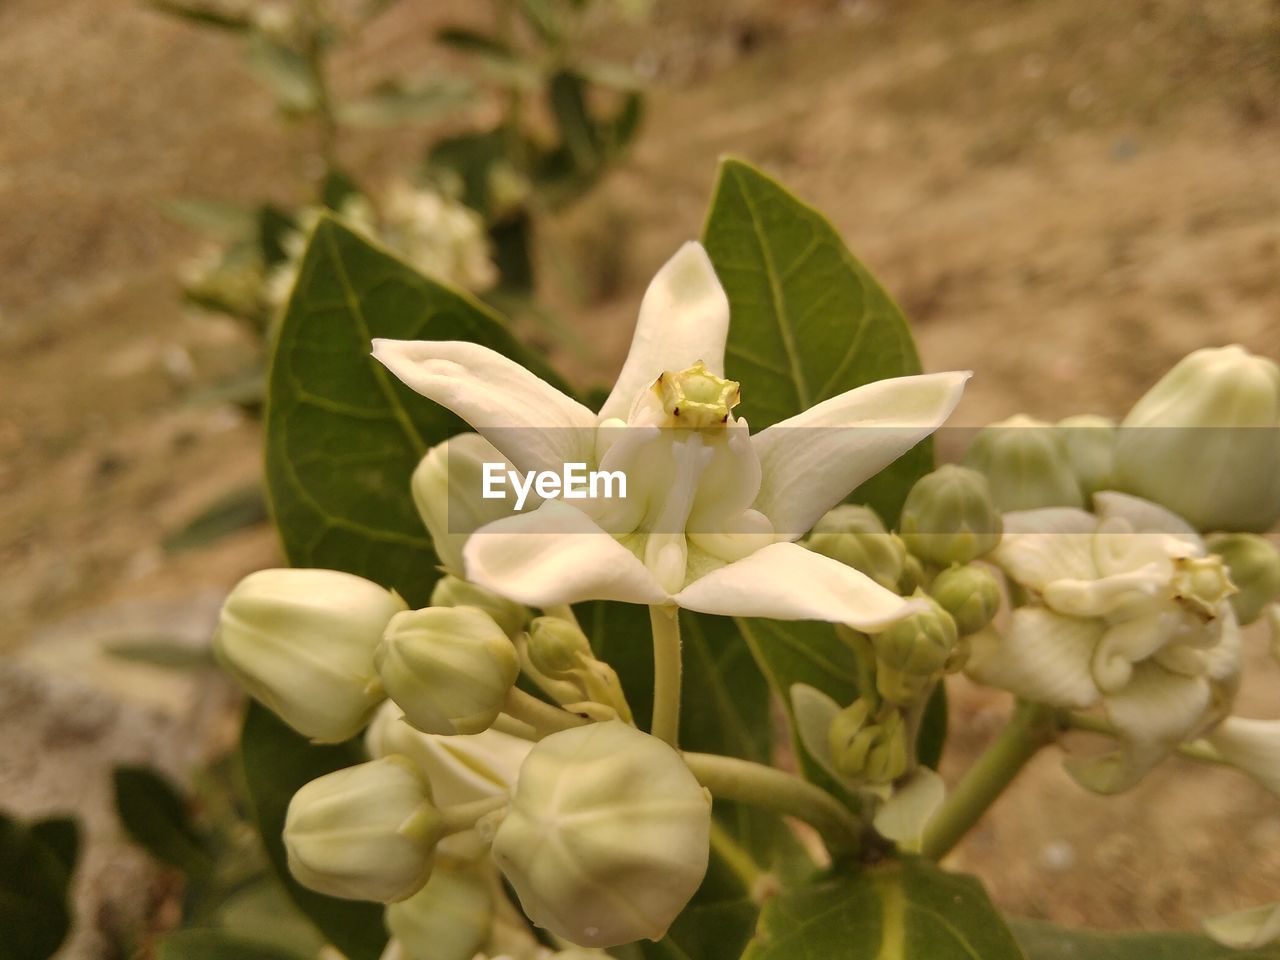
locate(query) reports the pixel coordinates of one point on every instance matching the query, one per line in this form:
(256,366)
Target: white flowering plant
(486,725)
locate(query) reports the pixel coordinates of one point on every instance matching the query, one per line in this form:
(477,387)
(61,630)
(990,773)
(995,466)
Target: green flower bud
(867,747)
(1205,441)
(451,591)
(971,594)
(367,832)
(448,919)
(302,641)
(607,837)
(1254,564)
(912,653)
(448,668)
(856,537)
(447,489)
(949,516)
(1027,464)
(1090,444)
(913,576)
(557,647)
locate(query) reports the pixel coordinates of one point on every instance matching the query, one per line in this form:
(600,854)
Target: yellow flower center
(696,397)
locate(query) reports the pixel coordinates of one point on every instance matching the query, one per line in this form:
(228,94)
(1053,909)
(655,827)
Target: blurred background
(1065,197)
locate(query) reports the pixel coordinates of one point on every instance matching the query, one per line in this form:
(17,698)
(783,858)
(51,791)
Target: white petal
(785,581)
(1041,546)
(534,425)
(557,554)
(1246,929)
(906,814)
(684,318)
(814,712)
(1107,595)
(1042,657)
(1251,745)
(1144,516)
(812,461)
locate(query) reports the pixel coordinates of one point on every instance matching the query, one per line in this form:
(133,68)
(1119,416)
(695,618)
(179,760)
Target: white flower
(1128,612)
(1252,746)
(710,512)
(440,236)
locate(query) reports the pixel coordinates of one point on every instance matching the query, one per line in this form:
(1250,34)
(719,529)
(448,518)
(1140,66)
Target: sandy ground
(1064,197)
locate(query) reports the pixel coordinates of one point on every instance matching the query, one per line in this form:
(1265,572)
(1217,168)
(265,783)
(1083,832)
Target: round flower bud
(971,594)
(451,591)
(1090,444)
(856,537)
(607,837)
(448,668)
(447,489)
(1254,565)
(868,748)
(1205,441)
(448,919)
(914,652)
(367,832)
(557,647)
(949,516)
(1027,464)
(302,642)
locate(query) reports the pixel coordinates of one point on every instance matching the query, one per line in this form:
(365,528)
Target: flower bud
(607,837)
(971,594)
(302,642)
(451,591)
(856,537)
(559,651)
(557,647)
(1205,441)
(1254,564)
(460,769)
(1090,444)
(1027,464)
(912,653)
(447,489)
(448,919)
(367,832)
(950,517)
(448,668)
(866,747)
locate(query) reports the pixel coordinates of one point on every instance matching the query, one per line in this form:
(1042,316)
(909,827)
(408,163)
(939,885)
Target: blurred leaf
(809,320)
(1044,941)
(198,944)
(35,882)
(908,910)
(158,818)
(511,240)
(277,761)
(472,41)
(218,218)
(243,507)
(626,123)
(284,72)
(612,75)
(470,159)
(263,913)
(566,95)
(204,16)
(717,930)
(160,652)
(542,16)
(336,189)
(932,737)
(246,390)
(274,225)
(393,103)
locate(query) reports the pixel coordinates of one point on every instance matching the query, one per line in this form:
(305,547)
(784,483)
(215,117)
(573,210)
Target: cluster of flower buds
(559,655)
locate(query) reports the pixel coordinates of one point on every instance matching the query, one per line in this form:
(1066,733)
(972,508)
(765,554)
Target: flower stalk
(541,716)
(667,669)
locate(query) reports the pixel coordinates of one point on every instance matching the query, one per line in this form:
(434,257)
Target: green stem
(463,816)
(1031,727)
(562,611)
(1197,751)
(314,57)
(742,781)
(541,716)
(665,622)
(737,859)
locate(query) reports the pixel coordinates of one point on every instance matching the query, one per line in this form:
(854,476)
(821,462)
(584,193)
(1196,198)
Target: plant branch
(541,716)
(1031,727)
(665,621)
(743,781)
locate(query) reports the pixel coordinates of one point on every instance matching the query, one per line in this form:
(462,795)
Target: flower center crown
(696,397)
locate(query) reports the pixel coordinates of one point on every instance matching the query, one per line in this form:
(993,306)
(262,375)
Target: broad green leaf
(276,762)
(197,944)
(898,910)
(809,320)
(157,817)
(1044,941)
(35,878)
(343,435)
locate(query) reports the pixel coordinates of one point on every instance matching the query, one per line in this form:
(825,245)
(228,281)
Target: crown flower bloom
(1128,611)
(710,512)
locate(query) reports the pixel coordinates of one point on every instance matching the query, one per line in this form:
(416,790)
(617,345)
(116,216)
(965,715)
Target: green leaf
(35,878)
(284,72)
(197,944)
(157,817)
(61,836)
(1044,941)
(809,320)
(343,435)
(899,910)
(274,225)
(236,510)
(932,737)
(203,16)
(395,103)
(566,95)
(219,218)
(276,762)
